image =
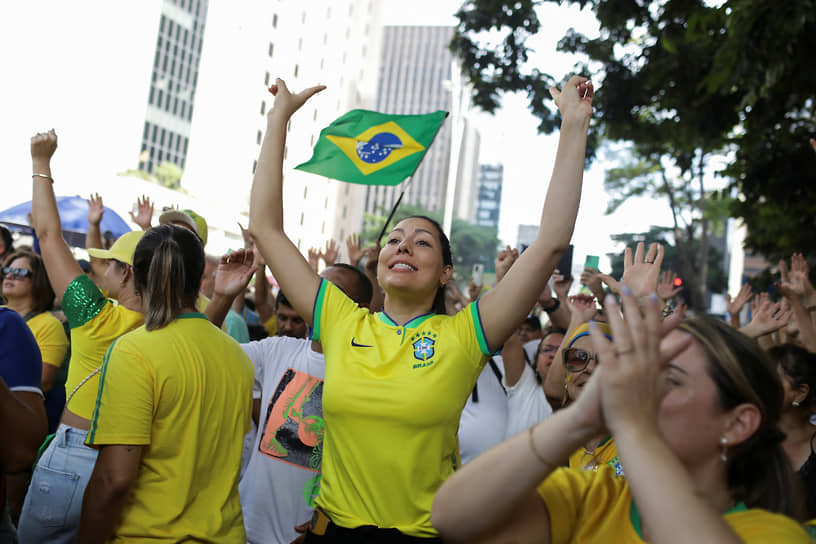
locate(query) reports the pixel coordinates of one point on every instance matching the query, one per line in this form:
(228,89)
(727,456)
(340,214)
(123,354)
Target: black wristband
(554,306)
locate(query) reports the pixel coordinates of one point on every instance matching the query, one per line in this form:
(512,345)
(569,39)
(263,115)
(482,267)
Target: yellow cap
(201,225)
(122,249)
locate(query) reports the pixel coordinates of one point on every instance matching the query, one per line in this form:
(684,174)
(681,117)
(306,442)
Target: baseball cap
(190,218)
(121,250)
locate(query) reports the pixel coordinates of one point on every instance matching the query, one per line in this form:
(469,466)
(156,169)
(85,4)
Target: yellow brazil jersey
(95,322)
(392,399)
(50,336)
(587,507)
(185,393)
(605,454)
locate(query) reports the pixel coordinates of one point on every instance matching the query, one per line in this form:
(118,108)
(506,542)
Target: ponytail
(167,267)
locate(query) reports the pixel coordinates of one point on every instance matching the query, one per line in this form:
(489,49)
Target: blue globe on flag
(378,147)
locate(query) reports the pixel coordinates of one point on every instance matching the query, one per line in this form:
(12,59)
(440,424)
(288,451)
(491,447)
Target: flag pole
(390,216)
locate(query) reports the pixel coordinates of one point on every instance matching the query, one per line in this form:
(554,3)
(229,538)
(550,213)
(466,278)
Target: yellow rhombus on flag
(373,148)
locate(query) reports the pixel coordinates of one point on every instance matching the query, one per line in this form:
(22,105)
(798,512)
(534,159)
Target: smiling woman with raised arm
(695,421)
(397,380)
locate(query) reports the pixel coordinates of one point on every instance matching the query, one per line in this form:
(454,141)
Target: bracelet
(49,178)
(554,306)
(535,451)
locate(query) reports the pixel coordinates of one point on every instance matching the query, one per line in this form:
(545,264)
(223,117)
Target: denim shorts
(53,504)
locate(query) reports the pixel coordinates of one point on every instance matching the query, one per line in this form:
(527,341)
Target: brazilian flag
(373,148)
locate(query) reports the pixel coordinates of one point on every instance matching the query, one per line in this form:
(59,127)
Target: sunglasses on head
(576,360)
(16,273)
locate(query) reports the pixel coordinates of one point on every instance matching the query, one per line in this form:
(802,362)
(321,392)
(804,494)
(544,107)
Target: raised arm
(295,276)
(59,262)
(503,308)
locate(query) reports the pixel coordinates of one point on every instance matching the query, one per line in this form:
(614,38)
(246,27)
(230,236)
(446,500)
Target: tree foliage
(470,244)
(682,80)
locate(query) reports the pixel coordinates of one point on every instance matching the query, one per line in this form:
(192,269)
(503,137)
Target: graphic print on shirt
(293,422)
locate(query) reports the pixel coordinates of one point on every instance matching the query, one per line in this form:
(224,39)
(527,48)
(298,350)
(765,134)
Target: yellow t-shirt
(184,392)
(587,507)
(50,336)
(95,322)
(605,454)
(392,399)
(271,325)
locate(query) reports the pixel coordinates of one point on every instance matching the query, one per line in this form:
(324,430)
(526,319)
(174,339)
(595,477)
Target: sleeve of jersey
(54,343)
(82,301)
(330,307)
(20,360)
(124,402)
(468,328)
(564,492)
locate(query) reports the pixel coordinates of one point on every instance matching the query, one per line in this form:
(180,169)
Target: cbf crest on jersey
(424,344)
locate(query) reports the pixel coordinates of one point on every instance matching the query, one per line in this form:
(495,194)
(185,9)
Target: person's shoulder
(758,525)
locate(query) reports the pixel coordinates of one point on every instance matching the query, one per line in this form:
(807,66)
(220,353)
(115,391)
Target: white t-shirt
(526,403)
(483,423)
(282,477)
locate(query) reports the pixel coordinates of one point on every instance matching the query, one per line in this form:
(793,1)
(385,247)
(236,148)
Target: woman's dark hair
(167,266)
(759,473)
(799,366)
(364,289)
(42,294)
(447,259)
(8,242)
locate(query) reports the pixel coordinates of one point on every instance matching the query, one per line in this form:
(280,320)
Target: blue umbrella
(73,212)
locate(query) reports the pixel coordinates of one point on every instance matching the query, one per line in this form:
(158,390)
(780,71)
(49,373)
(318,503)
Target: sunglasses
(576,360)
(16,273)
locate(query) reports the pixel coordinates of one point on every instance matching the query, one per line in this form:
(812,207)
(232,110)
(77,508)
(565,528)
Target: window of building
(163,135)
(275,20)
(258,138)
(254,166)
(266,79)
(303,18)
(146,132)
(152,92)
(271,48)
(302,215)
(153,136)
(263,107)
(305,191)
(296,70)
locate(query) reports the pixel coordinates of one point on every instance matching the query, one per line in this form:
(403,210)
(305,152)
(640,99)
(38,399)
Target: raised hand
(473,290)
(504,260)
(372,256)
(640,271)
(561,284)
(234,272)
(592,279)
(144,213)
(43,145)
(287,103)
(734,305)
(767,317)
(582,309)
(665,287)
(95,209)
(355,251)
(574,100)
(329,256)
(314,258)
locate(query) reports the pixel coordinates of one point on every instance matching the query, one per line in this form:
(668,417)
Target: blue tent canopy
(73,212)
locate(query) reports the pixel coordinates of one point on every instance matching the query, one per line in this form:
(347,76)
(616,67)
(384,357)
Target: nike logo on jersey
(356,345)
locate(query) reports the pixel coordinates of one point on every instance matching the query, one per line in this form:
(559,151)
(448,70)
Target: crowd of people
(373,400)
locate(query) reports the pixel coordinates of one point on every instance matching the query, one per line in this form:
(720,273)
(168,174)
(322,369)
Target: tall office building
(415,77)
(246,46)
(173,83)
(488,199)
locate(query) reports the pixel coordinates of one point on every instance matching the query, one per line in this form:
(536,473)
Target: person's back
(196,383)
